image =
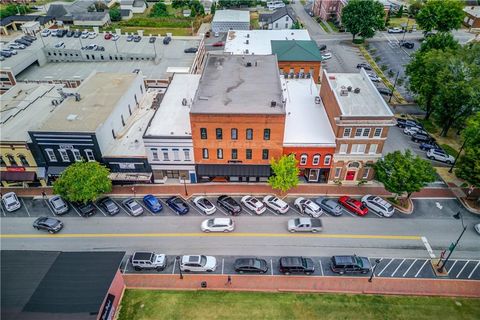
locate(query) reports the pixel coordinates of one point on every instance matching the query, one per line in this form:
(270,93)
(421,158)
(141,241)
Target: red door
(350,175)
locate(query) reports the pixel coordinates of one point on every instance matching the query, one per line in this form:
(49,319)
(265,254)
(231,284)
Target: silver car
(11,202)
(133,207)
(329,206)
(58,205)
(378,205)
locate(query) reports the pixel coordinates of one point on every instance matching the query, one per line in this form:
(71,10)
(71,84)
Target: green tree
(296,25)
(13,9)
(415,6)
(115,14)
(285,173)
(404,173)
(100,6)
(468,165)
(83,182)
(178,4)
(363,17)
(440,41)
(441,15)
(400,12)
(159,9)
(196,6)
(213,8)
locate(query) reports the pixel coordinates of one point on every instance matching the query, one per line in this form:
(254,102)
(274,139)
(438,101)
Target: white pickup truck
(305,225)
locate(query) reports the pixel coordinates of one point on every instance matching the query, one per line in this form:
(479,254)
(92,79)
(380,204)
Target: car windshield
(210,223)
(359,261)
(203,260)
(51,222)
(362,206)
(230,201)
(297,221)
(134,206)
(256,264)
(206,203)
(178,202)
(254,201)
(110,205)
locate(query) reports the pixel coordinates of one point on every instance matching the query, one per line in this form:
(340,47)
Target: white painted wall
(169,145)
(283,23)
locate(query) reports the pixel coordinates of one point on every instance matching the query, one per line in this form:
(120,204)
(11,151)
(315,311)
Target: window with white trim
(64,155)
(378,132)
(90,155)
(343,148)
(176,155)
(337,172)
(358,148)
(366,171)
(51,155)
(362,132)
(76,155)
(186,153)
(316,160)
(165,155)
(219,153)
(327,160)
(303,159)
(347,132)
(154,154)
(366,132)
(373,148)
(205,153)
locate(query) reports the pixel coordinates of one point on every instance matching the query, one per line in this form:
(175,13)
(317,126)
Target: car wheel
(292,230)
(448,162)
(308,273)
(209,270)
(364,272)
(186,270)
(137,269)
(240,271)
(226,230)
(299,208)
(430,157)
(286,273)
(51,231)
(341,272)
(37,228)
(314,230)
(206,230)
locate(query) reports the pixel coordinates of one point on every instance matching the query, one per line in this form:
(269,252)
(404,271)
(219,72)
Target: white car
(92,35)
(45,32)
(85,34)
(115,37)
(12,51)
(326,55)
(218,225)
(440,155)
(276,204)
(254,204)
(11,202)
(308,207)
(412,130)
(60,45)
(54,32)
(198,263)
(14,45)
(374,77)
(378,205)
(205,205)
(395,30)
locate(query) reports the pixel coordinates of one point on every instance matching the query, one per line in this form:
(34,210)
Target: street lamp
(457,216)
(178,261)
(394,84)
(184,176)
(377,261)
(456,158)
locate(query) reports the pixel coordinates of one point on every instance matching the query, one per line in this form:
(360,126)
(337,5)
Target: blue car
(178,205)
(427,146)
(152,203)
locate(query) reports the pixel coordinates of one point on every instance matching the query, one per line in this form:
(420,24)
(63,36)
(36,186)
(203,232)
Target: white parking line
(353,215)
(174,264)
(379,215)
(26,209)
(271,266)
(458,275)
(126,266)
(3,211)
(268,209)
(50,208)
(429,248)
(471,273)
(423,265)
(144,207)
(295,209)
(321,267)
(218,207)
(453,265)
(409,267)
(121,207)
(167,207)
(223,263)
(398,267)
(75,209)
(249,211)
(380,273)
(96,206)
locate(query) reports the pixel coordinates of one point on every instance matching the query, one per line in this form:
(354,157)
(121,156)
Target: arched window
(12,160)
(316,160)
(327,160)
(23,160)
(303,159)
(354,165)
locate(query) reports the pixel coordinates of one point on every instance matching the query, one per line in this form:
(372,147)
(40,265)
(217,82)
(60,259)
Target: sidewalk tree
(440,41)
(404,173)
(213,8)
(285,173)
(115,14)
(179,4)
(468,165)
(363,17)
(83,182)
(441,15)
(159,9)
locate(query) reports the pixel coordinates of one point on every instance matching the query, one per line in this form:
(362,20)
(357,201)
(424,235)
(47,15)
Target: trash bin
(203,284)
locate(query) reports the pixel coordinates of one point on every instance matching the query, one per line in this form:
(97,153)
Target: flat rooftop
(229,86)
(172,117)
(473,10)
(368,102)
(259,41)
(306,122)
(231,16)
(99,95)
(26,106)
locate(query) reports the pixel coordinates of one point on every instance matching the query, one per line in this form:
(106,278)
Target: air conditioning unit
(308,75)
(343,92)
(248,35)
(249,64)
(349,88)
(357,90)
(184,101)
(302,75)
(273,104)
(291,75)
(246,51)
(317,100)
(246,42)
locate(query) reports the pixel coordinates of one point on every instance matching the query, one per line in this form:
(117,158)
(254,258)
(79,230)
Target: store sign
(16,169)
(124,165)
(108,308)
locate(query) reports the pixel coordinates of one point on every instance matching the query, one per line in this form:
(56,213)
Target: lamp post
(377,261)
(457,216)
(178,261)
(394,85)
(184,176)
(458,155)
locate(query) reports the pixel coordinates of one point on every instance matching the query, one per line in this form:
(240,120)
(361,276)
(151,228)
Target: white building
(168,138)
(136,6)
(283,18)
(225,20)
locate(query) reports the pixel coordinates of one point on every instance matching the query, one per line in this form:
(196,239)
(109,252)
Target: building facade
(282,18)
(329,9)
(472,17)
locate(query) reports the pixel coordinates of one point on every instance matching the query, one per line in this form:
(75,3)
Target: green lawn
(199,305)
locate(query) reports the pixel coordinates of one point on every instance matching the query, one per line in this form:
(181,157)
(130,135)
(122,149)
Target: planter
(403,205)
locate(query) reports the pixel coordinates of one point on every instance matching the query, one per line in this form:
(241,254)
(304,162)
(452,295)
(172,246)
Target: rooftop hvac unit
(246,42)
(317,100)
(248,35)
(184,101)
(249,64)
(302,75)
(343,91)
(246,51)
(357,90)
(308,75)
(273,104)
(349,88)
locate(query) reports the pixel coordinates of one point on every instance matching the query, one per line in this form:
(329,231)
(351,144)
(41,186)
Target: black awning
(55,171)
(17,175)
(233,170)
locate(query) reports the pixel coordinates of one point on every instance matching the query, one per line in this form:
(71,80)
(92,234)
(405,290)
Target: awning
(17,175)
(55,171)
(233,170)
(131,176)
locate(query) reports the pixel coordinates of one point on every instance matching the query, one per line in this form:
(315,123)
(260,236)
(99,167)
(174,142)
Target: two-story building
(282,18)
(237,118)
(360,119)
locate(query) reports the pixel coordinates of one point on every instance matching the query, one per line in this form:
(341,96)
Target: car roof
(291,261)
(223,221)
(187,259)
(344,259)
(142,255)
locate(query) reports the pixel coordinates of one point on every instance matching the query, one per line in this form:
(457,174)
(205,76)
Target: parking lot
(386,268)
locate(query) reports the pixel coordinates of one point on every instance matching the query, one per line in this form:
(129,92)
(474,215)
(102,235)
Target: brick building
(360,120)
(237,118)
(472,17)
(329,9)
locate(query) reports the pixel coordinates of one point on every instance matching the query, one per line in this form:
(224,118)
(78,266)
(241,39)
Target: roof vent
(349,88)
(184,101)
(343,91)
(72,117)
(246,41)
(249,64)
(203,98)
(273,104)
(357,90)
(248,35)
(246,51)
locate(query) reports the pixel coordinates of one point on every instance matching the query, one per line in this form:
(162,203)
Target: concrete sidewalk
(354,285)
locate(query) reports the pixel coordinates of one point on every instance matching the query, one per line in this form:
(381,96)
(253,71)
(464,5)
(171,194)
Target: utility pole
(457,216)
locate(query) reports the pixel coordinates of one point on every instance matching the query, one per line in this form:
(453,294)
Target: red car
(353,205)
(218,44)
(108,36)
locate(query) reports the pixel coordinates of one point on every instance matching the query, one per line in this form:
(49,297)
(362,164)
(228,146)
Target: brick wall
(285,66)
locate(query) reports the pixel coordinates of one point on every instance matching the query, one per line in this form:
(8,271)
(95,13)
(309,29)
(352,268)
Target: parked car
(85,34)
(412,130)
(402,123)
(304,225)
(198,263)
(152,203)
(350,264)
(374,77)
(130,38)
(419,137)
(115,37)
(49,224)
(167,40)
(14,45)
(70,33)
(45,32)
(178,205)
(395,30)
(205,205)
(309,207)
(133,207)
(61,33)
(29,37)
(353,205)
(254,204)
(11,202)
(428,145)
(407,44)
(58,205)
(85,209)
(107,36)
(290,265)
(109,206)
(329,205)
(190,50)
(53,32)
(384,91)
(92,35)
(218,44)
(152,39)
(378,205)
(364,66)
(137,38)
(100,48)
(5,53)
(148,261)
(90,47)
(322,47)
(218,225)
(440,155)
(276,204)
(229,204)
(250,265)
(77,34)
(24,42)
(11,51)
(60,45)
(326,55)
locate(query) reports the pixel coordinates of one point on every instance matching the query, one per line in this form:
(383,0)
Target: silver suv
(378,205)
(148,260)
(440,155)
(58,205)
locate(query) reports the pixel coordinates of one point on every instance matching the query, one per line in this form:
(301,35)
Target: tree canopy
(441,15)
(285,173)
(115,14)
(363,17)
(159,9)
(440,41)
(404,173)
(468,165)
(83,182)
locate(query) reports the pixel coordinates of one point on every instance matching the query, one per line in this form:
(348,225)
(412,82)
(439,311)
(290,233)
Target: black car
(350,264)
(384,91)
(364,66)
(402,123)
(85,209)
(100,48)
(419,137)
(6,54)
(152,39)
(190,50)
(61,33)
(229,204)
(23,41)
(109,206)
(29,38)
(429,145)
(137,38)
(178,205)
(290,265)
(49,224)
(250,265)
(322,47)
(167,40)
(77,34)
(70,33)
(407,44)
